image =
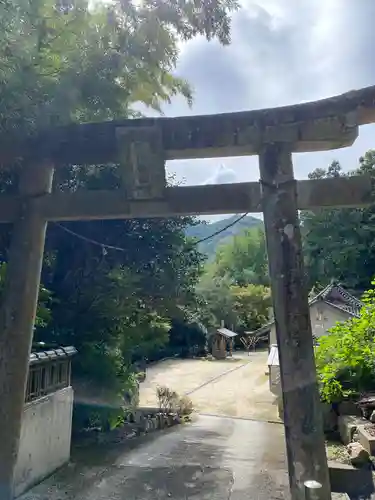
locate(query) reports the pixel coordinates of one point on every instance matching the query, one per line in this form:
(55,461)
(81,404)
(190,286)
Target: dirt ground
(235,387)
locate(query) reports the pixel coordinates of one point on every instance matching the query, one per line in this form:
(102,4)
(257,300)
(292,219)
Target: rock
(170,420)
(372,417)
(138,417)
(347,425)
(367,405)
(160,418)
(154,421)
(358,455)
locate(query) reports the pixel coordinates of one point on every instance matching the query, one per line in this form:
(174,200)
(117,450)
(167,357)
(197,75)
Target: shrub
(171,402)
(168,399)
(345,358)
(185,406)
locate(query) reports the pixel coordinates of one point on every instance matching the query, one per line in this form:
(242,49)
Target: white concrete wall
(45,438)
(322,316)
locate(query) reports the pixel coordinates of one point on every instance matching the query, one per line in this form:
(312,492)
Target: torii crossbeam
(142,147)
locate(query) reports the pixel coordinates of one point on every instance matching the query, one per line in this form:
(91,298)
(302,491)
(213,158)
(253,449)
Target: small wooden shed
(222,342)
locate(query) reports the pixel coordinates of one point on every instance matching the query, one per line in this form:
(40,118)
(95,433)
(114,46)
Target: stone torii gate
(142,147)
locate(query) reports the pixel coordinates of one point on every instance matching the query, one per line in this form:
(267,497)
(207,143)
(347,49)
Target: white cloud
(223,175)
(282,52)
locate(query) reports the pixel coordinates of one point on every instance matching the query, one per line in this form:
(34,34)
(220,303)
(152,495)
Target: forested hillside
(222,233)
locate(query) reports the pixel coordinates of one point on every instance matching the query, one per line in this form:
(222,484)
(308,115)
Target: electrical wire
(231,224)
(106,247)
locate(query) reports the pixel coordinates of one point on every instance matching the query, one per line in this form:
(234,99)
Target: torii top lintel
(319,125)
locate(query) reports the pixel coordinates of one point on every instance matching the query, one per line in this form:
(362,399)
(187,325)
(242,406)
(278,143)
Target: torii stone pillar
(302,414)
(18,314)
(145,145)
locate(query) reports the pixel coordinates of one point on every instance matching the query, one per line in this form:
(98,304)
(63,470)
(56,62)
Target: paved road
(214,458)
(218,457)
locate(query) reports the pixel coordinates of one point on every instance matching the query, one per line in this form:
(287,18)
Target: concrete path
(214,458)
(230,452)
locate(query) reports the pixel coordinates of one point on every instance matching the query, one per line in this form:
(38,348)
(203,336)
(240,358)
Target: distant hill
(204,229)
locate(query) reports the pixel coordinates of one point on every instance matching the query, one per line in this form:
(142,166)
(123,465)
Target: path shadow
(188,470)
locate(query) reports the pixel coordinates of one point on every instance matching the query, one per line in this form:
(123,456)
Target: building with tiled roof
(331,305)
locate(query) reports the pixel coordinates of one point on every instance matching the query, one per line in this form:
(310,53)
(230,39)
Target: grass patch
(337,452)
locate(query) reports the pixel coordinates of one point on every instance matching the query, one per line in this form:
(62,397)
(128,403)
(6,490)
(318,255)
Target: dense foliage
(65,62)
(345,357)
(43,313)
(244,258)
(232,289)
(221,232)
(340,243)
(62,62)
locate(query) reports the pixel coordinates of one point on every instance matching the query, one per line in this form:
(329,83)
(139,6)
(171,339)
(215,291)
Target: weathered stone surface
(142,162)
(358,455)
(329,418)
(366,439)
(347,425)
(345,478)
(319,125)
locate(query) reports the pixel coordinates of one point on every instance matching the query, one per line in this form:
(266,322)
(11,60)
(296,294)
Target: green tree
(64,62)
(345,357)
(244,259)
(233,287)
(251,305)
(243,308)
(340,243)
(119,299)
(216,301)
(187,339)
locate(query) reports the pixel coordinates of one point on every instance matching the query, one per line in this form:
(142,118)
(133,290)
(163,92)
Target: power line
(105,247)
(223,229)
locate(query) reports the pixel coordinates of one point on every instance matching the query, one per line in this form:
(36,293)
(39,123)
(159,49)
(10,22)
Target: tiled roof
(350,303)
(52,354)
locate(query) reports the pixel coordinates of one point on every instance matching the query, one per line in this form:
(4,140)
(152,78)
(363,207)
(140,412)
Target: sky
(282,52)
